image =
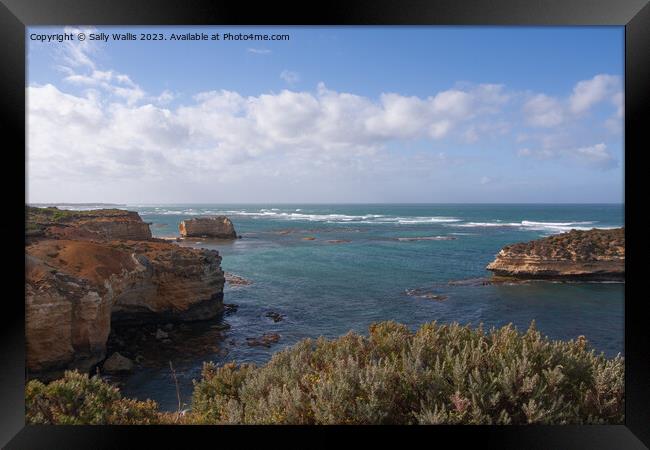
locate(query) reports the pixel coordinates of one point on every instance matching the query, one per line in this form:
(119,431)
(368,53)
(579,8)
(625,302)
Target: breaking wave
(535,226)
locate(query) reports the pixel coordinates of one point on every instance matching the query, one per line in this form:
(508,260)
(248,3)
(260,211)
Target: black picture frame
(15,15)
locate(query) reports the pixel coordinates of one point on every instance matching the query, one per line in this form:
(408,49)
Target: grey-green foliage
(77,399)
(441,374)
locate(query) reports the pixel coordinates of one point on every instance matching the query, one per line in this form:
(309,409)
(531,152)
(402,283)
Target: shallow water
(327,288)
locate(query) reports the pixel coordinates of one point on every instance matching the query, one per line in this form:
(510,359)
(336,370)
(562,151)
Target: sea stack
(219,227)
(592,255)
(88,269)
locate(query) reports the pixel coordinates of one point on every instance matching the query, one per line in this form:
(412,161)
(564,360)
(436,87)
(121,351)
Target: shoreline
(276,310)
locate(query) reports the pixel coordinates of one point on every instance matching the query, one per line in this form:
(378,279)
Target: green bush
(442,374)
(77,399)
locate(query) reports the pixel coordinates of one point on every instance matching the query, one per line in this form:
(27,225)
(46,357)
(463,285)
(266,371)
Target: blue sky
(387,114)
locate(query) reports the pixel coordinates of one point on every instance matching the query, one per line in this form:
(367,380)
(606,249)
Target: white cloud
(596,155)
(587,93)
(78,54)
(259,51)
(290,77)
(165,97)
(619,102)
(112,131)
(90,137)
(543,111)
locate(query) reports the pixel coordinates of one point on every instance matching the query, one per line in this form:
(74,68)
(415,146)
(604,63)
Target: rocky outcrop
(236,280)
(219,227)
(117,363)
(577,255)
(99,224)
(77,287)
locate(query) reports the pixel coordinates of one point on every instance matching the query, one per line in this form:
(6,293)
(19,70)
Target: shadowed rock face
(219,227)
(77,285)
(580,255)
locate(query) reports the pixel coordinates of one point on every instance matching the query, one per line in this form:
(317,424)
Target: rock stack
(595,254)
(219,227)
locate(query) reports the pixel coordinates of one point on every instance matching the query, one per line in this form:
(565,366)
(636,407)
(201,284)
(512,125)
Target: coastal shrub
(77,399)
(440,374)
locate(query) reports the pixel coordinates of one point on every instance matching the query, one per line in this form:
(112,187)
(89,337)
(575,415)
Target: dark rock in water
(577,255)
(471,282)
(221,327)
(230,308)
(265,340)
(117,363)
(276,317)
(160,334)
(427,238)
(423,293)
(183,343)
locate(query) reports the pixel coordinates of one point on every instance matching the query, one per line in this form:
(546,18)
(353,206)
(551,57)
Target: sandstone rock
(117,363)
(75,289)
(236,280)
(577,255)
(100,224)
(215,227)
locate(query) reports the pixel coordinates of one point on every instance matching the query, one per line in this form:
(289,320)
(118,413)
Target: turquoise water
(325,288)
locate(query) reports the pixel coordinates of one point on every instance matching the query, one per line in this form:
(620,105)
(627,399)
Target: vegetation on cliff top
(37,219)
(585,245)
(36,214)
(440,374)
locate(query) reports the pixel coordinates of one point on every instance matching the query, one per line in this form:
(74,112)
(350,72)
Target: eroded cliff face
(101,224)
(75,287)
(581,255)
(216,227)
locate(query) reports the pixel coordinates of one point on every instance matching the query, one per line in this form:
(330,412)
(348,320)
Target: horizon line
(324,203)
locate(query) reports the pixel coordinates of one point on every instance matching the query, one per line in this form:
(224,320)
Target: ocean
(363,262)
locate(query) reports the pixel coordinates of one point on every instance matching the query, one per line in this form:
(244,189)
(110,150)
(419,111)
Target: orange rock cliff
(87,269)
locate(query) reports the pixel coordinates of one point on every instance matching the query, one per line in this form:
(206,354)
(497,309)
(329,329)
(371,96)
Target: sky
(331,115)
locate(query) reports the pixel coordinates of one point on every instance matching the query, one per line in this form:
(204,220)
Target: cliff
(581,255)
(102,224)
(219,227)
(85,270)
